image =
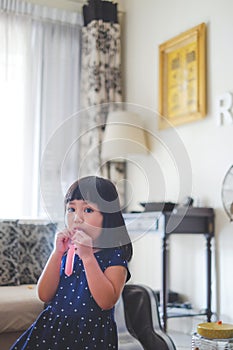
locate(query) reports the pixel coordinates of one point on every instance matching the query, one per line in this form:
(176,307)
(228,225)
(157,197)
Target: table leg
(164,296)
(208,276)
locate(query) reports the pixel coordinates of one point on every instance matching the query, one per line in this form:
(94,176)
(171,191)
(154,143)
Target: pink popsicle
(70,260)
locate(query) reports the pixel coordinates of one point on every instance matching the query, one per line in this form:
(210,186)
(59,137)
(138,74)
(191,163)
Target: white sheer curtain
(39,89)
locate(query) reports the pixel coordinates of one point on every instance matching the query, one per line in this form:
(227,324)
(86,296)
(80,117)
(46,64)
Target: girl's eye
(88,210)
(70,210)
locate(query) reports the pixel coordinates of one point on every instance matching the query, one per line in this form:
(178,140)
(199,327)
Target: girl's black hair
(103,192)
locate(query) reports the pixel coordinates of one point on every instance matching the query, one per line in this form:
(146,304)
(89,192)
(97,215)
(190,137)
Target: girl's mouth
(75,229)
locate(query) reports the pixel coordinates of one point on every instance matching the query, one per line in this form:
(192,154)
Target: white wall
(147,24)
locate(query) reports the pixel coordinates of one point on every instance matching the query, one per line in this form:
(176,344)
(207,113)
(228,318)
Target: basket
(201,343)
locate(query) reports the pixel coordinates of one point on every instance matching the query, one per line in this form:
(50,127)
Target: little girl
(80,311)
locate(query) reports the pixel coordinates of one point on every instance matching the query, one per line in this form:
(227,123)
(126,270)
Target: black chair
(126,341)
(142,318)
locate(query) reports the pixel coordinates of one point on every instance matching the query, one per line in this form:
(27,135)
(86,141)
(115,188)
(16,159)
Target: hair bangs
(85,189)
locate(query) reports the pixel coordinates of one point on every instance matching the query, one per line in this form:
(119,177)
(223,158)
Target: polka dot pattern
(73,320)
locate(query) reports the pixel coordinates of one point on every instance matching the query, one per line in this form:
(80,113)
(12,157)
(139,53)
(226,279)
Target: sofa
(19,307)
(25,246)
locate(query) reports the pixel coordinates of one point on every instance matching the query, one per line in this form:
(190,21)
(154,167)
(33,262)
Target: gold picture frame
(182,78)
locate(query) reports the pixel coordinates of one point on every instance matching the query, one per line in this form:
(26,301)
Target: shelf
(173,312)
(182,220)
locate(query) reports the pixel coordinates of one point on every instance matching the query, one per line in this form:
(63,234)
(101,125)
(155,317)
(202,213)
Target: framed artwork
(182,78)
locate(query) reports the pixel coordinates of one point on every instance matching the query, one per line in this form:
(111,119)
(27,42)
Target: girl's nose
(78,217)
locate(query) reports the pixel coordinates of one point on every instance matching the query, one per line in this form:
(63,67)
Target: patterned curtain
(101,78)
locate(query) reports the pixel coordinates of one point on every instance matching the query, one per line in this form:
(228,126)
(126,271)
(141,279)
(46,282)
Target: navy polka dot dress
(73,320)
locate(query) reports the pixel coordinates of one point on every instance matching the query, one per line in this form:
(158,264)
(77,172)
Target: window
(39,87)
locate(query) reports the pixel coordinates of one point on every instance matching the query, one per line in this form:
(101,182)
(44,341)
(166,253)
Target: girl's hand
(62,240)
(83,244)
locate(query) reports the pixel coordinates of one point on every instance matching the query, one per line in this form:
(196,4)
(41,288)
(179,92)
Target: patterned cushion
(35,245)
(9,252)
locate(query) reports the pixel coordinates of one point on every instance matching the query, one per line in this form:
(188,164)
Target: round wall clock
(227,193)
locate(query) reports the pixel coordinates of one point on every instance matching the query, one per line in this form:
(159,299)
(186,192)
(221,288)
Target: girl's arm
(49,279)
(106,286)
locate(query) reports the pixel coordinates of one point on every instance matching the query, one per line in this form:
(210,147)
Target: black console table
(181,220)
(186,221)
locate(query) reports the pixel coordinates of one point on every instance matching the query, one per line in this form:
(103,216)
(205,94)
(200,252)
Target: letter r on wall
(224,104)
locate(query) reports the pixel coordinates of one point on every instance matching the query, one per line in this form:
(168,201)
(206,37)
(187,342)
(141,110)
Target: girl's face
(83,216)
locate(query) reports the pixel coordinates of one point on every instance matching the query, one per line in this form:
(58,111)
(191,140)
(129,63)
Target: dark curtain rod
(97,9)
